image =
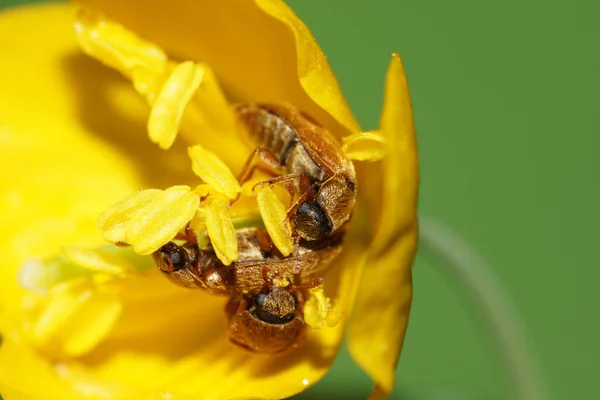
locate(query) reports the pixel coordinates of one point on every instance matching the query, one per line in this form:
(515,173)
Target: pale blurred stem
(461,262)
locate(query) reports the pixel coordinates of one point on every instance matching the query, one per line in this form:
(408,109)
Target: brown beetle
(292,145)
(269,322)
(266,307)
(258,262)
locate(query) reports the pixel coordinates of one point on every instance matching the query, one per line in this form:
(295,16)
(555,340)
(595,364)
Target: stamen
(75,316)
(203,190)
(198,223)
(158,222)
(41,275)
(221,231)
(212,170)
(113,221)
(98,261)
(275,218)
(318,311)
(118,47)
(364,146)
(167,110)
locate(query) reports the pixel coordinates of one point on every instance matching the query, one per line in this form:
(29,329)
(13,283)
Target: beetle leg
(243,305)
(266,160)
(286,180)
(264,241)
(313,284)
(307,195)
(300,297)
(187,234)
(267,278)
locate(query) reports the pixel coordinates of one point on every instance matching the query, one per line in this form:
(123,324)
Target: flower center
(73,303)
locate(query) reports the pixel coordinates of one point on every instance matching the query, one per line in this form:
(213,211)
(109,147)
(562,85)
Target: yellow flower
(101,323)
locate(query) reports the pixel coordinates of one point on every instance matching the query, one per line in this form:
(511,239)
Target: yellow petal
(209,167)
(97,261)
(275,218)
(117,47)
(313,70)
(364,146)
(387,284)
(56,112)
(137,348)
(221,231)
(158,222)
(211,110)
(260,50)
(113,221)
(167,110)
(79,102)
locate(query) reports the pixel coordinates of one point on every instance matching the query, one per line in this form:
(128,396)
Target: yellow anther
(41,275)
(159,221)
(364,146)
(98,261)
(75,317)
(274,216)
(212,170)
(198,223)
(113,221)
(167,110)
(118,47)
(221,231)
(318,310)
(203,190)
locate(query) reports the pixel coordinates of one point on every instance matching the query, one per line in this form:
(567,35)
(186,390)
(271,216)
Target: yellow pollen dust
(274,216)
(364,146)
(281,283)
(318,310)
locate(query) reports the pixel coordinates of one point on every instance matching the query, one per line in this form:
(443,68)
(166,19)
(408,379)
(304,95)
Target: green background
(506,97)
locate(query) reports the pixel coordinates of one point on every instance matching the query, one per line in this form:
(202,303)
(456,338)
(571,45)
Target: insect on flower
(259,263)
(295,147)
(269,322)
(266,308)
(88,335)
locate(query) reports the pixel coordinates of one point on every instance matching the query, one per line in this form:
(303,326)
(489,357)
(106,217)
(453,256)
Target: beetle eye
(311,222)
(264,302)
(177,258)
(269,318)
